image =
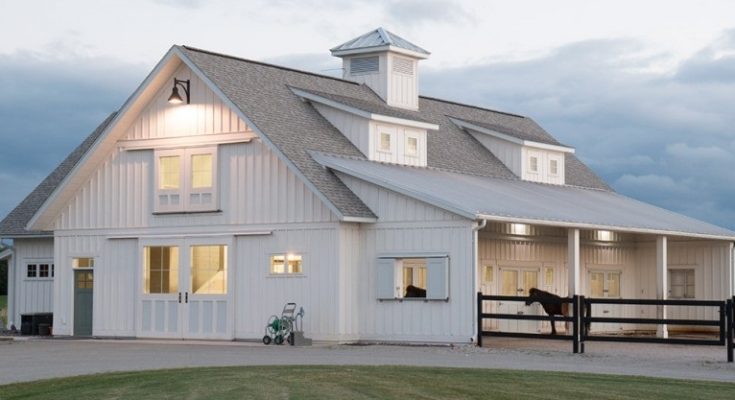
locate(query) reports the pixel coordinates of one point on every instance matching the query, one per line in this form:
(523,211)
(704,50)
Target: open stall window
(413,277)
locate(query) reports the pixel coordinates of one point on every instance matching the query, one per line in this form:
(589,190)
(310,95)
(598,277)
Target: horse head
(532,294)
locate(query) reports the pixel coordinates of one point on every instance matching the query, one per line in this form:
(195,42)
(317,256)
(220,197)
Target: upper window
(681,283)
(554,167)
(413,277)
(533,164)
(83,262)
(412,146)
(186,180)
(209,269)
(161,273)
(385,140)
(286,264)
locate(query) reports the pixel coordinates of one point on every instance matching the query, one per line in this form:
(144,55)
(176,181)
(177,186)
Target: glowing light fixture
(175,97)
(606,236)
(519,229)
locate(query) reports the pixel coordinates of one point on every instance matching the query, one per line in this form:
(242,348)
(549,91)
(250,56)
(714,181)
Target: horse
(414,291)
(551,307)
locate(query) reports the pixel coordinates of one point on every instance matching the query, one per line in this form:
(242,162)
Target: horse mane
(535,291)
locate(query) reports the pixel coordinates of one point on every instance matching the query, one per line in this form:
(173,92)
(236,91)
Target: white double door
(516,281)
(186,289)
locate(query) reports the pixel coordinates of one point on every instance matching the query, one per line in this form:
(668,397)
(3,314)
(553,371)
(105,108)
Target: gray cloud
(47,106)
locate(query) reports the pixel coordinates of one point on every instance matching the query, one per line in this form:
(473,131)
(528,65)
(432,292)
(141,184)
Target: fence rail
(581,323)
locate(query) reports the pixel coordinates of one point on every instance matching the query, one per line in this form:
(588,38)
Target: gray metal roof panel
(514,199)
(14,224)
(377,38)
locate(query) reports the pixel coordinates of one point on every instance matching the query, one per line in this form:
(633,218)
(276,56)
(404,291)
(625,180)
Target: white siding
(391,206)
(403,89)
(397,153)
(31,295)
(508,153)
(543,174)
(378,81)
(206,114)
(355,128)
(258,295)
(255,186)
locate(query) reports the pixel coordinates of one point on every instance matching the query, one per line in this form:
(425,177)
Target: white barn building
(200,215)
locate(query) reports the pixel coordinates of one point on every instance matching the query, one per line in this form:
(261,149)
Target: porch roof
(483,197)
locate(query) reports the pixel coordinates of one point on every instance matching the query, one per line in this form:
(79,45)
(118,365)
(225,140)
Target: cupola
(385,62)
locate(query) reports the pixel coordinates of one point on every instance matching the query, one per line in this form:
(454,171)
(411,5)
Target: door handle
(179,297)
(186,297)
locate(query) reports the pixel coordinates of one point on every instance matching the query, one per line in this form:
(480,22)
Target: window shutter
(437,280)
(385,278)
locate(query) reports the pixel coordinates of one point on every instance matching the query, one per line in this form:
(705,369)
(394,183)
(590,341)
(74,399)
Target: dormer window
(533,164)
(554,167)
(385,139)
(412,146)
(186,180)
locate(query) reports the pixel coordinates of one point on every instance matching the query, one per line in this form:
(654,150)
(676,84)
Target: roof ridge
(473,106)
(214,53)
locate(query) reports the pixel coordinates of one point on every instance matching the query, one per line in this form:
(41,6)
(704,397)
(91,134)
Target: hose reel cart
(283,328)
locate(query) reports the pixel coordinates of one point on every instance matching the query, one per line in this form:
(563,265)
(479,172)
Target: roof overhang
(7,253)
(379,49)
(508,138)
(463,210)
(362,113)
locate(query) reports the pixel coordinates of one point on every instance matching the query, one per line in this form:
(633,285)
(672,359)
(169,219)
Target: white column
(662,285)
(573,262)
(11,292)
(730,272)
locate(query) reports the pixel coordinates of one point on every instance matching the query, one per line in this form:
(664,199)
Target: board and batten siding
(355,128)
(260,294)
(206,114)
(31,294)
(255,187)
(508,153)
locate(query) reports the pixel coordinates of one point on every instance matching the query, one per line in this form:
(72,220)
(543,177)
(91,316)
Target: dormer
(385,62)
(535,158)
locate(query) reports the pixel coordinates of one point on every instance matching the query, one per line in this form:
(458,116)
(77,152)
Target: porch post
(573,262)
(662,286)
(11,292)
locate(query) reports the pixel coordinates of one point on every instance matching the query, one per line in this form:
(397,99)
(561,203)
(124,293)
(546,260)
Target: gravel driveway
(28,360)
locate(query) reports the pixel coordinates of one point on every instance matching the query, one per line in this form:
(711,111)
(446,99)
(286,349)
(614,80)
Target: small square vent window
(364,65)
(533,164)
(554,167)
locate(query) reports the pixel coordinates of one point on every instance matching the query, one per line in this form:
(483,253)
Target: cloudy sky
(645,91)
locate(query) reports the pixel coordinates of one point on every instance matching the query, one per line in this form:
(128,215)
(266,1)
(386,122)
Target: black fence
(581,320)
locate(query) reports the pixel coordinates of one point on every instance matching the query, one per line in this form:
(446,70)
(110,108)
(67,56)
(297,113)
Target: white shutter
(385,278)
(437,279)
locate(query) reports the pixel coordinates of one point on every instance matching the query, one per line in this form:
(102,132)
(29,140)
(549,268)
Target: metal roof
(375,39)
(484,197)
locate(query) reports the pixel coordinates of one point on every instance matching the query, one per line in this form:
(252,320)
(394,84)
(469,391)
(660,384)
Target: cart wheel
(290,339)
(278,339)
(266,340)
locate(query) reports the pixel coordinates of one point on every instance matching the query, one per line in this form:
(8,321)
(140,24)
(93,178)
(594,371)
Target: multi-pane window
(209,269)
(186,180)
(286,264)
(554,167)
(605,284)
(384,141)
(681,283)
(40,270)
(414,277)
(488,274)
(533,164)
(83,262)
(161,273)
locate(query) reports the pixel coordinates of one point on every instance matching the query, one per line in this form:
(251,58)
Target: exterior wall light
(175,97)
(605,236)
(519,229)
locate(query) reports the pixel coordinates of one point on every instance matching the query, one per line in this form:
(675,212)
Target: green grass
(3,306)
(345,382)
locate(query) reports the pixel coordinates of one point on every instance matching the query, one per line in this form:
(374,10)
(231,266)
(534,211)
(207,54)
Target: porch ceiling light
(175,97)
(519,229)
(605,236)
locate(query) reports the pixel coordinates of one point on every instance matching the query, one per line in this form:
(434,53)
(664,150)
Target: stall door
(605,284)
(517,282)
(185,292)
(83,295)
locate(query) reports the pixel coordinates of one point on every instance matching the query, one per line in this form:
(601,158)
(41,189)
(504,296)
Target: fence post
(575,324)
(479,319)
(730,328)
(582,325)
(724,318)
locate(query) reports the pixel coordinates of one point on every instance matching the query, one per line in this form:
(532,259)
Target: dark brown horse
(414,291)
(551,307)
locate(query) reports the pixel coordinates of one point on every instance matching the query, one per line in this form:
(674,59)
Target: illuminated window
(605,284)
(186,180)
(209,269)
(549,276)
(161,273)
(488,272)
(83,262)
(286,264)
(414,275)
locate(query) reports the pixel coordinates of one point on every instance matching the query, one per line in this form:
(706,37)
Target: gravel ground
(27,360)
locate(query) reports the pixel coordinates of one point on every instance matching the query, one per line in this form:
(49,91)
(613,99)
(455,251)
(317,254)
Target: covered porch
(513,257)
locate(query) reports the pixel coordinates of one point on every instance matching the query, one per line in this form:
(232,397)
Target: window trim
(382,132)
(397,274)
(37,275)
(406,153)
(553,171)
(605,282)
(185,189)
(286,274)
(680,268)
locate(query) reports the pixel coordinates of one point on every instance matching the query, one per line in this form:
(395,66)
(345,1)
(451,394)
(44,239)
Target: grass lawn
(345,382)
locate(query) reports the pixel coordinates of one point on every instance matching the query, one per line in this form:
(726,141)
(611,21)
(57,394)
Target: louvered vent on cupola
(387,63)
(364,65)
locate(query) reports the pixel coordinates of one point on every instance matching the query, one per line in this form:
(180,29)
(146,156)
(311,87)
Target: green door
(83,286)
